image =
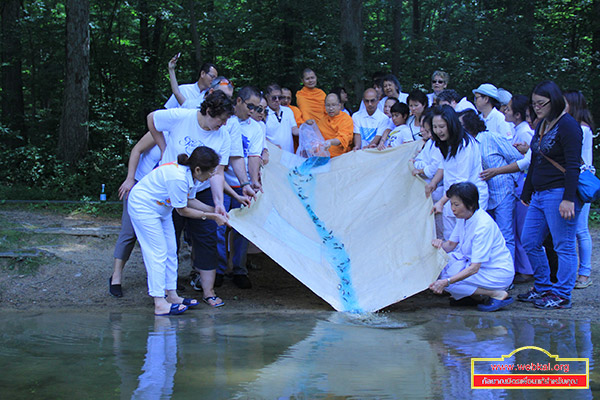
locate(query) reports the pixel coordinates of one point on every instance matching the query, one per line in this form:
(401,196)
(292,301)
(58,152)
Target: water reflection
(275,356)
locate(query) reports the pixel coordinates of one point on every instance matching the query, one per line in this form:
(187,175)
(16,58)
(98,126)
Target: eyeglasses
(540,105)
(275,98)
(253,107)
(437,81)
(212,76)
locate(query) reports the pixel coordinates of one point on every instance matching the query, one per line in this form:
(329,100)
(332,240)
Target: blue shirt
(497,151)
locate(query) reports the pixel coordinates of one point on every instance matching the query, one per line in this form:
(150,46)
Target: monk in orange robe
(310,99)
(286,100)
(336,127)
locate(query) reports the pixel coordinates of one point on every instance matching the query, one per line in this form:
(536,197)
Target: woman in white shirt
(480,263)
(150,205)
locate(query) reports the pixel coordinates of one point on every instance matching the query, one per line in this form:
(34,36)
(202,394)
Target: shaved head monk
(369,123)
(310,99)
(336,127)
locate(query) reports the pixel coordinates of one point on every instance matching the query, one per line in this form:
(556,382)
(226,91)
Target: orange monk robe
(312,103)
(297,115)
(338,127)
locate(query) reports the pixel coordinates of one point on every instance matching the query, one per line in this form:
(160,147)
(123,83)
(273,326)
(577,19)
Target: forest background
(78,77)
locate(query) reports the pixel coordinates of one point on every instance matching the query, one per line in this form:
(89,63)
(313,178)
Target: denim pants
(584,241)
(504,214)
(542,218)
(238,244)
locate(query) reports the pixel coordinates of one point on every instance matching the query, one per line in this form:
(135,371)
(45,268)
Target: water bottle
(102,194)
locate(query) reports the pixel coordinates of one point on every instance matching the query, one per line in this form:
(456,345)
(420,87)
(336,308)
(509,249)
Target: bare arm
(173,80)
(437,178)
(217,183)
(158,136)
(254,170)
(198,210)
(381,145)
(505,169)
(439,285)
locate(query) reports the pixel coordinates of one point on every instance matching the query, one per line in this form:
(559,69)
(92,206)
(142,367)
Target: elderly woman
(480,263)
(550,190)
(439,82)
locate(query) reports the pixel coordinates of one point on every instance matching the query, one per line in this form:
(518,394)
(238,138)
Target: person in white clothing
(486,101)
(514,113)
(439,83)
(281,124)
(400,133)
(189,129)
(451,98)
(197,90)
(369,124)
(417,103)
(462,162)
(480,264)
(391,88)
(151,202)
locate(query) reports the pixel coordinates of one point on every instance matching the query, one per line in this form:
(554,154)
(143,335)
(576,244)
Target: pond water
(215,355)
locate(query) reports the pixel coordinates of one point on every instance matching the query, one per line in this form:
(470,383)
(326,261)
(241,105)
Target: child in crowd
(400,134)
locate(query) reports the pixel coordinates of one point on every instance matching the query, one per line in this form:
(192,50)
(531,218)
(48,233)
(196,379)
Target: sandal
(213,301)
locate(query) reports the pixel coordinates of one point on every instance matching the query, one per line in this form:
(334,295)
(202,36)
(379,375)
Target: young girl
(150,205)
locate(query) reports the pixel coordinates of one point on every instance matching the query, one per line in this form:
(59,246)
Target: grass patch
(25,265)
(85,207)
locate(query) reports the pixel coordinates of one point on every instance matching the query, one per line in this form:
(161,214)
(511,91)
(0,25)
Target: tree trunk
(73,135)
(396,37)
(351,34)
(416,20)
(194,32)
(13,111)
(288,72)
(150,43)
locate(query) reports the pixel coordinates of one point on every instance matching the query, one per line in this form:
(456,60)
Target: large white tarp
(356,230)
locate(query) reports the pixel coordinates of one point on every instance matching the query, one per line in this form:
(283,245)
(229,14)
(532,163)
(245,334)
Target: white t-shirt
(480,241)
(190,91)
(523,133)
(587,146)
(164,188)
(252,143)
(466,166)
(495,122)
(415,131)
(429,159)
(400,134)
(148,161)
(279,128)
(463,105)
(235,135)
(369,126)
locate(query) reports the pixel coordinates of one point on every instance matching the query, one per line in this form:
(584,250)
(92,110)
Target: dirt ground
(79,259)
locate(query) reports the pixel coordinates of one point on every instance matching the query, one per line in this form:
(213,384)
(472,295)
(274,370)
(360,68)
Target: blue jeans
(584,241)
(504,214)
(542,218)
(239,245)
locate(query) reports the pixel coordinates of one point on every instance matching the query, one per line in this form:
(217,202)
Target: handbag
(588,188)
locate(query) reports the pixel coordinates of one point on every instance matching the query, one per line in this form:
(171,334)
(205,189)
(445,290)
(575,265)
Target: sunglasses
(437,81)
(275,98)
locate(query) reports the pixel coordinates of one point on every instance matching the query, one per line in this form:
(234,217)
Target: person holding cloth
(150,205)
(337,128)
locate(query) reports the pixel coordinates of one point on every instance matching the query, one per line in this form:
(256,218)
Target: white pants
(156,235)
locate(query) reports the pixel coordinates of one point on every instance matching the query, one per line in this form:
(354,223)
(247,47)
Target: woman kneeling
(480,263)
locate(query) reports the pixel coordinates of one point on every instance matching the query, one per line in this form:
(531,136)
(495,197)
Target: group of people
(203,153)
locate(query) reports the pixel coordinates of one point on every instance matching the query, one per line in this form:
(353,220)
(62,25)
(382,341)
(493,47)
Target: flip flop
(173,311)
(495,304)
(208,300)
(190,302)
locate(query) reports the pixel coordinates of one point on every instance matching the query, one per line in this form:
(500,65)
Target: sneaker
(579,284)
(242,281)
(552,302)
(531,296)
(195,282)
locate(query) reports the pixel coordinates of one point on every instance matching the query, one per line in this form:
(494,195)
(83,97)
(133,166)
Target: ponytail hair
(203,157)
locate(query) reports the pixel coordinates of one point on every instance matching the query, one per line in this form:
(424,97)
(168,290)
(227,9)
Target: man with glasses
(487,101)
(369,123)
(208,72)
(281,124)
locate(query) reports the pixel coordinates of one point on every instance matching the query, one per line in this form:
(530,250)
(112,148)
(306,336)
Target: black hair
(578,108)
(427,118)
(467,192)
(248,91)
(400,108)
(206,68)
(418,96)
(448,95)
(338,90)
(392,98)
(519,105)
(217,103)
(471,122)
(550,90)
(336,95)
(394,80)
(204,157)
(458,137)
(272,88)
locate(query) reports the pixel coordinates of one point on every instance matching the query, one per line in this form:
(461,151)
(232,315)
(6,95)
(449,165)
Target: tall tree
(416,19)
(396,36)
(191,6)
(150,41)
(351,34)
(73,133)
(13,111)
